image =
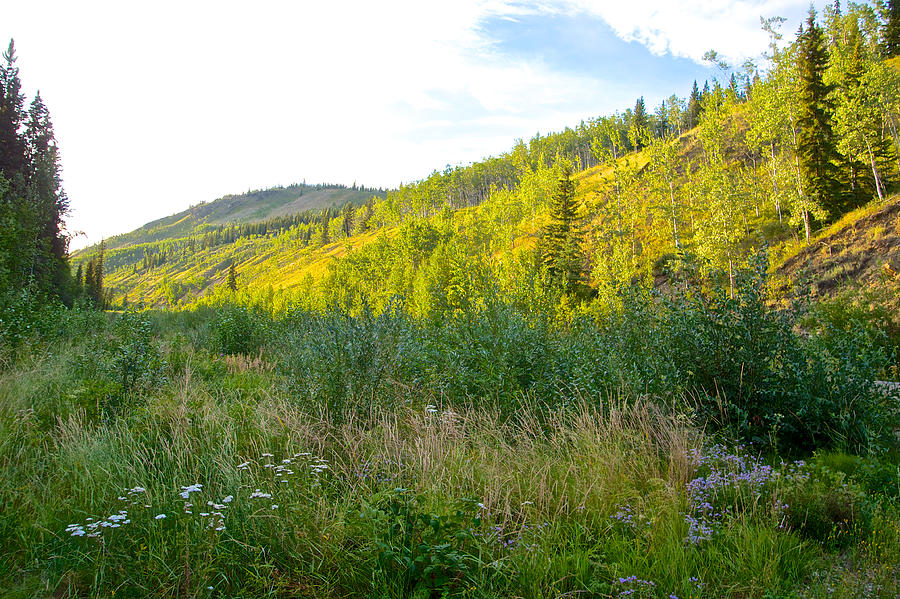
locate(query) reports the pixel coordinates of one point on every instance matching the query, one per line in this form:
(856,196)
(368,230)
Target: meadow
(685,446)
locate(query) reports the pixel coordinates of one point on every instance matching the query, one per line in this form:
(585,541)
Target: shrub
(420,549)
(753,374)
(825,506)
(114,368)
(238,330)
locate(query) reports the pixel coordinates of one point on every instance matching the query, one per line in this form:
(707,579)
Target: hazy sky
(158,106)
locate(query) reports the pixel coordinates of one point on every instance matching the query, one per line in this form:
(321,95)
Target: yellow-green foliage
(659,206)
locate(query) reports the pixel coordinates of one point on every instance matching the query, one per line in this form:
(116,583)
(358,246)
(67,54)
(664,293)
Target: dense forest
(656,355)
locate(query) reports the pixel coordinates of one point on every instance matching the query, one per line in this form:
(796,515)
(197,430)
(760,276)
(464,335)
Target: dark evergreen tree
(692,115)
(13,155)
(79,280)
(640,121)
(561,250)
(733,91)
(816,143)
(93,279)
(33,246)
(891,33)
(89,281)
(45,191)
(232,277)
(347,219)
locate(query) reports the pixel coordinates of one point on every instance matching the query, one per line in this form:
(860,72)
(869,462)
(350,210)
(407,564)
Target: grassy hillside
(863,247)
(253,206)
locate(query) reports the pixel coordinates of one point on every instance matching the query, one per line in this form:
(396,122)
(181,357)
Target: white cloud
(688,28)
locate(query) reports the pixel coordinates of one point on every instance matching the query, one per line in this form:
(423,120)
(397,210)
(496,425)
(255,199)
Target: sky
(159,106)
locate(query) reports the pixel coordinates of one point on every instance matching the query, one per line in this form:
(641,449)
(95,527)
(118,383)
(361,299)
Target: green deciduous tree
(663,174)
(859,119)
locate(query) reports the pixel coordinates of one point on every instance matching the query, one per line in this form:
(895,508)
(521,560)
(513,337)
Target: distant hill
(250,207)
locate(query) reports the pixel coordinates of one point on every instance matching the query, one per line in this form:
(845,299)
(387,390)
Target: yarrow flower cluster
(93,528)
(186,491)
(214,512)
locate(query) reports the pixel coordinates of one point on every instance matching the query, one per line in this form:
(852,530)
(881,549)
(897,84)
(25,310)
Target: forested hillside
(258,206)
(763,158)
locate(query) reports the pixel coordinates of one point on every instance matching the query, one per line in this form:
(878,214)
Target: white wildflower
(159,516)
(186,491)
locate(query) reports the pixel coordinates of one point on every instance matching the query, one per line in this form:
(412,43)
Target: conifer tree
(13,158)
(79,280)
(232,277)
(693,107)
(639,121)
(33,245)
(561,243)
(50,201)
(89,281)
(93,279)
(891,34)
(816,143)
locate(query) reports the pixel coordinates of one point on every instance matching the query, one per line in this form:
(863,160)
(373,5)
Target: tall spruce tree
(561,243)
(891,33)
(692,114)
(51,204)
(93,279)
(13,154)
(33,245)
(639,121)
(232,277)
(815,140)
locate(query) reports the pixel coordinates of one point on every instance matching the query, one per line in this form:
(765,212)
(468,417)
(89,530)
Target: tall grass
(140,459)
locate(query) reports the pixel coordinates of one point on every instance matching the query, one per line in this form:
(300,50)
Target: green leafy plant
(421,549)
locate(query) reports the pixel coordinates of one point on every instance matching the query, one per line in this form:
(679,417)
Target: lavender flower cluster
(380,469)
(729,475)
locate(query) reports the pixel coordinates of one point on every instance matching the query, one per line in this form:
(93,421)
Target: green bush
(824,505)
(750,372)
(115,368)
(418,549)
(238,330)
